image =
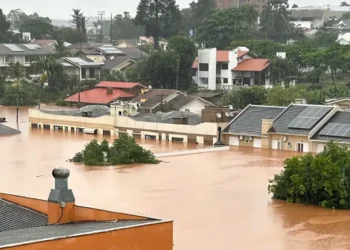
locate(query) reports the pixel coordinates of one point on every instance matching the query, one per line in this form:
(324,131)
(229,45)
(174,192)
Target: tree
(261,48)
(160,70)
(185,50)
(44,64)
(335,57)
(124,150)
(275,20)
(222,27)
(297,54)
(279,96)
(295,6)
(61,50)
(344,4)
(322,180)
(68,34)
(161,18)
(4,25)
(325,38)
(18,73)
(241,97)
(38,28)
(123,27)
(193,18)
(79,20)
(282,70)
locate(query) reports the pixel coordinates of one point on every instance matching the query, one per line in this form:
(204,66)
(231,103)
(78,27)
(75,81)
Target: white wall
(195,107)
(208,56)
(302,24)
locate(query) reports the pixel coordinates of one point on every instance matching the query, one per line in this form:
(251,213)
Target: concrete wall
(292,141)
(96,58)
(208,56)
(195,107)
(203,131)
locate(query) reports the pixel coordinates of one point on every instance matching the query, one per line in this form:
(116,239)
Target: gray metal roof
(14,217)
(129,54)
(248,122)
(21,236)
(280,125)
(154,97)
(193,119)
(24,50)
(341,117)
(307,13)
(5,130)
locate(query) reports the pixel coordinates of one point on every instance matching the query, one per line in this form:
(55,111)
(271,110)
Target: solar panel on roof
(308,117)
(336,129)
(13,47)
(32,46)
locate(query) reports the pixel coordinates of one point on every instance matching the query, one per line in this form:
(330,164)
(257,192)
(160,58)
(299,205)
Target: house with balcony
(83,68)
(23,53)
(223,69)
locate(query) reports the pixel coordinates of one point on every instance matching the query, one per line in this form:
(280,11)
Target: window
(203,67)
(120,113)
(224,66)
(9,59)
(83,73)
(225,80)
(92,73)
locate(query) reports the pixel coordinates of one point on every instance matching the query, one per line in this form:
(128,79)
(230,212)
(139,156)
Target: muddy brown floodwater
(218,200)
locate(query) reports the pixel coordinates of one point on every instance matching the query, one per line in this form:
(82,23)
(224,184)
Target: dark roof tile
(13,217)
(248,122)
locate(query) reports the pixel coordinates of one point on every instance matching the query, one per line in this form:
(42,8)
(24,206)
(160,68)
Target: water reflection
(218,200)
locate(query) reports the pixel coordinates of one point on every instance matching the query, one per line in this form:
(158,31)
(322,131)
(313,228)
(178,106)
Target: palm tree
(44,64)
(17,71)
(77,14)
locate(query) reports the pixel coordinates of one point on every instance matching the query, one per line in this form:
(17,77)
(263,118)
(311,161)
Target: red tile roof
(98,96)
(222,56)
(195,64)
(252,65)
(117,85)
(242,53)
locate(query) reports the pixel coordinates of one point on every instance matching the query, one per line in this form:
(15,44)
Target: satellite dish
(231,107)
(218,115)
(227,114)
(150,86)
(232,114)
(159,113)
(125,112)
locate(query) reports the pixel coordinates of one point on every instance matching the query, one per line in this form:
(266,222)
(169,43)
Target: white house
(344,39)
(84,69)
(23,53)
(222,69)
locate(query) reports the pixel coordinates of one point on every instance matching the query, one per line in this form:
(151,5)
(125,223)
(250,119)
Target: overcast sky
(62,9)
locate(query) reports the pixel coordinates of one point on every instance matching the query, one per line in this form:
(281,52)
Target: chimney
(109,91)
(266,124)
(61,199)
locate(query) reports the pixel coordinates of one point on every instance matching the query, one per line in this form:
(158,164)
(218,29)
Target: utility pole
(177,71)
(101,14)
(161,102)
(111,29)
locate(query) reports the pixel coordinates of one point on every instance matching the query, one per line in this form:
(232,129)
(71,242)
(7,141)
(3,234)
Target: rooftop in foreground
(27,223)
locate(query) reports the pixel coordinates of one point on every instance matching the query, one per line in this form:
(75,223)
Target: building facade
(298,127)
(220,69)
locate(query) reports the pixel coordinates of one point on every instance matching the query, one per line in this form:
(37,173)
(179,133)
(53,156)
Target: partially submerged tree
(322,180)
(124,150)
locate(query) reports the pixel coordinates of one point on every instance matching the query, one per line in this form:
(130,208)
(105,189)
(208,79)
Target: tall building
(225,4)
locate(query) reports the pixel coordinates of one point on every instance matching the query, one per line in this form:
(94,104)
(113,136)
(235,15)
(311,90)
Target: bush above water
(322,180)
(124,150)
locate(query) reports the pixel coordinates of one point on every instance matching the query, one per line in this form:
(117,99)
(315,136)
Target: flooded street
(218,200)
